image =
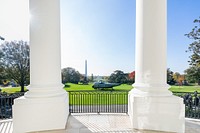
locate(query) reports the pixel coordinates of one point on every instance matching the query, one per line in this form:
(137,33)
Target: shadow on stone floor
(72,126)
(75,126)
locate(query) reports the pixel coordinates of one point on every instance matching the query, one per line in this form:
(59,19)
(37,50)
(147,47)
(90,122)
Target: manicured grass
(77,87)
(80,87)
(97,98)
(103,97)
(185,88)
(11,89)
(123,87)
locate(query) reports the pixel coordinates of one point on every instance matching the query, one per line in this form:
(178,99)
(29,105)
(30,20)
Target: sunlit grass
(80,87)
(11,89)
(185,88)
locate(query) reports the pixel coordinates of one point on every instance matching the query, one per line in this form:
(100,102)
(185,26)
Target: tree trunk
(199,82)
(22,87)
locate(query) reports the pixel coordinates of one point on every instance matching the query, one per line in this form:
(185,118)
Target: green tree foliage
(2,74)
(194,47)
(70,75)
(170,79)
(192,73)
(91,78)
(15,61)
(176,76)
(118,76)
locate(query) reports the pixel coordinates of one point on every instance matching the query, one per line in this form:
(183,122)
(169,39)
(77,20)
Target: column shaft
(151,38)
(151,106)
(45,48)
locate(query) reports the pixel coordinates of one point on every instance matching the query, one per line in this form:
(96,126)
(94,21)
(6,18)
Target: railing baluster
(6,102)
(98,101)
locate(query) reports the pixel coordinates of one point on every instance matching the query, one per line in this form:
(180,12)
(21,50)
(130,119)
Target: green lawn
(185,88)
(97,98)
(77,87)
(80,87)
(103,96)
(11,89)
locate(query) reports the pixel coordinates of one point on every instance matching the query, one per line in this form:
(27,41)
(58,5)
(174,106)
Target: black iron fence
(117,102)
(6,102)
(192,104)
(101,102)
(98,101)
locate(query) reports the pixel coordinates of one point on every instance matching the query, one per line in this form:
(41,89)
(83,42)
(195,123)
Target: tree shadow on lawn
(67,86)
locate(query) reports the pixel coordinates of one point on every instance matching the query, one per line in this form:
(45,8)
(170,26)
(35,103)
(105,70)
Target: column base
(161,113)
(39,114)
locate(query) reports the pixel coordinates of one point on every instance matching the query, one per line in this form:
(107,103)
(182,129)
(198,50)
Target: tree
(2,74)
(193,74)
(15,61)
(70,75)
(176,76)
(91,79)
(170,79)
(194,49)
(118,77)
(179,78)
(131,77)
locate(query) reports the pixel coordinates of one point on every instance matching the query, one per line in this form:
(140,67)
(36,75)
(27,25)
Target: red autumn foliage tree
(131,77)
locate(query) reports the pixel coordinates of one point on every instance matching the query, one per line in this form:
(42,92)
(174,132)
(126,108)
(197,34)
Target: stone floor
(101,123)
(6,126)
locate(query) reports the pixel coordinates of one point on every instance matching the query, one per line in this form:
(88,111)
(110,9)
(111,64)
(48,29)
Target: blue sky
(103,32)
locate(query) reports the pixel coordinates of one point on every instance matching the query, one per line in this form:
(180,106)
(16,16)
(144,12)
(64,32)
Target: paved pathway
(101,123)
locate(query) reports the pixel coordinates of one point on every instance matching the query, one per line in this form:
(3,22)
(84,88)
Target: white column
(45,52)
(45,105)
(151,39)
(151,105)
